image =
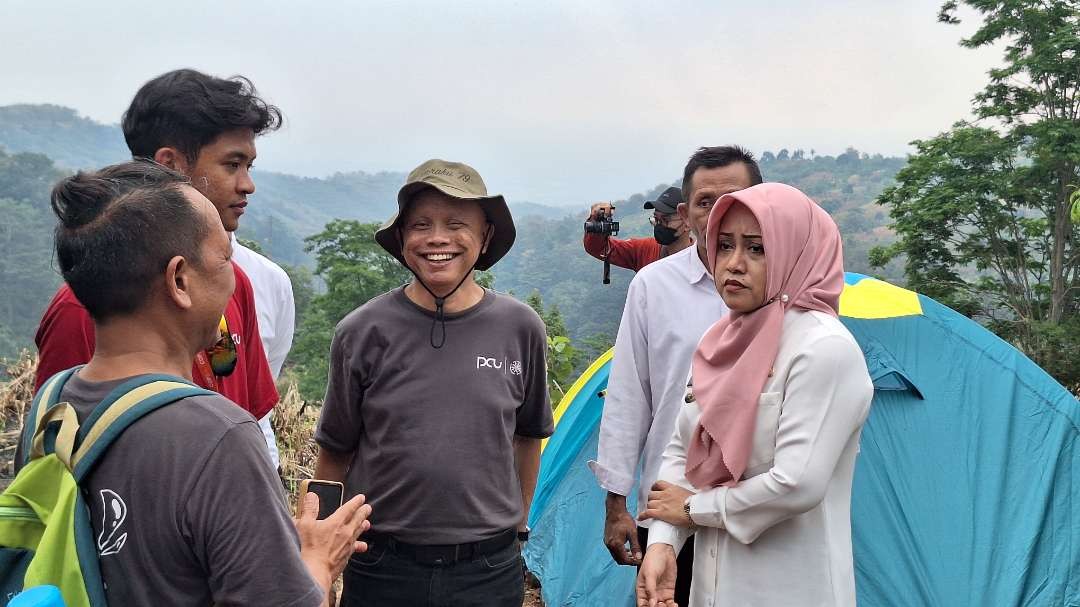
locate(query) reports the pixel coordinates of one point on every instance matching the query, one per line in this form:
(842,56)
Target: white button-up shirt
(276,312)
(669,305)
(782,536)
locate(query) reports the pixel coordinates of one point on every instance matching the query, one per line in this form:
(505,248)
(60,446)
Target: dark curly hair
(187,110)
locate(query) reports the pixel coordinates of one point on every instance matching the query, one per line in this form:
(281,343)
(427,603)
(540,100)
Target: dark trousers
(383,578)
(684,572)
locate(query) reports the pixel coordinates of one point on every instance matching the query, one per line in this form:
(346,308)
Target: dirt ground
(532,592)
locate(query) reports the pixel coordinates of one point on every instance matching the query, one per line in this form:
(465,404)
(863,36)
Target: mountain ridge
(547,256)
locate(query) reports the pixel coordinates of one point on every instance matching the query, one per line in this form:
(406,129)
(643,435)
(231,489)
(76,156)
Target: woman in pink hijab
(761,462)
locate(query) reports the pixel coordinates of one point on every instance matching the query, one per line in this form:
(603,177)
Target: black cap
(666,202)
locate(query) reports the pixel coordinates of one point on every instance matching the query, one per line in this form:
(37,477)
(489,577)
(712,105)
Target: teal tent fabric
(566,549)
(966,495)
(963,491)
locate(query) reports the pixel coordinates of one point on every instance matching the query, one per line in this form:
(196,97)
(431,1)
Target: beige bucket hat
(460,182)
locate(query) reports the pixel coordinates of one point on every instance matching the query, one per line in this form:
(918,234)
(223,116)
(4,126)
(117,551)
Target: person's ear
(684,212)
(489,233)
(178,282)
(172,158)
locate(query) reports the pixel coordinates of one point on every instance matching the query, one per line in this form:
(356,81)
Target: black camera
(603,224)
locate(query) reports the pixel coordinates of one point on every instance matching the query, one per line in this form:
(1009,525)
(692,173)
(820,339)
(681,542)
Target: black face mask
(665,235)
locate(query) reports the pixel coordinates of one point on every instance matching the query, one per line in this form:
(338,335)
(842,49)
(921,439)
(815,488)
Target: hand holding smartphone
(330,495)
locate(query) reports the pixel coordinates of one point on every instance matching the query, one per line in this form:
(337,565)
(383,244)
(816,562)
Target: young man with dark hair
(171,500)
(437,402)
(669,305)
(205,128)
(670,234)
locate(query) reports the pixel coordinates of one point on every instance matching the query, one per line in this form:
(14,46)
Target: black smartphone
(330,495)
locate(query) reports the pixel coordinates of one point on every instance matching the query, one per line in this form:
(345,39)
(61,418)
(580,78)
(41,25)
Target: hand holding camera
(601,220)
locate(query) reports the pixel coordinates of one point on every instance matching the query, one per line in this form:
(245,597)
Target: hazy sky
(556,101)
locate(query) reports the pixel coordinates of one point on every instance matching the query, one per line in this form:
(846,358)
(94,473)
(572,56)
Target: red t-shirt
(65,338)
(632,254)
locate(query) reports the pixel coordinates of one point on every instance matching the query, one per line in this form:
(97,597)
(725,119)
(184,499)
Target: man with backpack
(172,498)
(204,127)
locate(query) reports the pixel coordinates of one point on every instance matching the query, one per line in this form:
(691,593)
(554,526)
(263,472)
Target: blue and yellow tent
(964,490)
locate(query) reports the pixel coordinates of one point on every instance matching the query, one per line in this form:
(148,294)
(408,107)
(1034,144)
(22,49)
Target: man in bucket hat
(436,405)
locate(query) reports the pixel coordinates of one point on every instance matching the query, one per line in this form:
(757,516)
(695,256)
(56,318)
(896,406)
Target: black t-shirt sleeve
(534,419)
(340,423)
(241,530)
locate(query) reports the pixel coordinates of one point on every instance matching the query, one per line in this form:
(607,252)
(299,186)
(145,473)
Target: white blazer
(782,536)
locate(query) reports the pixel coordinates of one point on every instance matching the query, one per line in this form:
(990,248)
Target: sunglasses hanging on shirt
(218,360)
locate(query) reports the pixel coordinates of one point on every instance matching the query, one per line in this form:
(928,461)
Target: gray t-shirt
(431,430)
(187,511)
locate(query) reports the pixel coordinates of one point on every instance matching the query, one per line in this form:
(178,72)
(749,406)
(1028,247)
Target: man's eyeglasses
(222,354)
(662,220)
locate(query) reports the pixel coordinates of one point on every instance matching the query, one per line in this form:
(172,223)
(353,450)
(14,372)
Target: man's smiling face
(442,238)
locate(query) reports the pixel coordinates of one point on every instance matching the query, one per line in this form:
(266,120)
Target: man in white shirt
(669,305)
(276,311)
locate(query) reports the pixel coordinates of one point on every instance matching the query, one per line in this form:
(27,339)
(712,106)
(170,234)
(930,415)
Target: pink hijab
(732,362)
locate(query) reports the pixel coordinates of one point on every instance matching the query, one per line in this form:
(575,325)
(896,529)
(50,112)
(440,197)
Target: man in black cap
(670,234)
(437,403)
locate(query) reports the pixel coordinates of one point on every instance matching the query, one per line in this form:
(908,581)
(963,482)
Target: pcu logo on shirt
(483,362)
(499,364)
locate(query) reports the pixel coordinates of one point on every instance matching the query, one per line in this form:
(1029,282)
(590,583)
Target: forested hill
(284,210)
(72,141)
(547,256)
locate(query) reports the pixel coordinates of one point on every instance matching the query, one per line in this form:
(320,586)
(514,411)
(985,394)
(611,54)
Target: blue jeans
(383,578)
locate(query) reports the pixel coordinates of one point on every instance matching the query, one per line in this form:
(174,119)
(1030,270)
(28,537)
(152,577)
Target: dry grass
(16,392)
(294,424)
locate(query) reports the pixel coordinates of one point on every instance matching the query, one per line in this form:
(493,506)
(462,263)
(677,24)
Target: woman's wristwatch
(686,511)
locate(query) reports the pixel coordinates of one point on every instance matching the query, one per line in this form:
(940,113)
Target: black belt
(442,554)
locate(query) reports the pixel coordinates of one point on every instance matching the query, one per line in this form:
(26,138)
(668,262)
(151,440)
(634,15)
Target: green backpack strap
(56,439)
(122,407)
(46,397)
(53,427)
(79,446)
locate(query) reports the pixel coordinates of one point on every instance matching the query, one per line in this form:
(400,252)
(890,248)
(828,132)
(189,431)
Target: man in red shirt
(205,128)
(670,234)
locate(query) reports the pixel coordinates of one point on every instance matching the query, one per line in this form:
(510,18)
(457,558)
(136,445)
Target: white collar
(697,270)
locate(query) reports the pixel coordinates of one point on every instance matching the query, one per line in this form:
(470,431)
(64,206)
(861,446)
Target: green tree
(595,345)
(355,269)
(26,266)
(253,245)
(303,287)
(982,211)
(562,356)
